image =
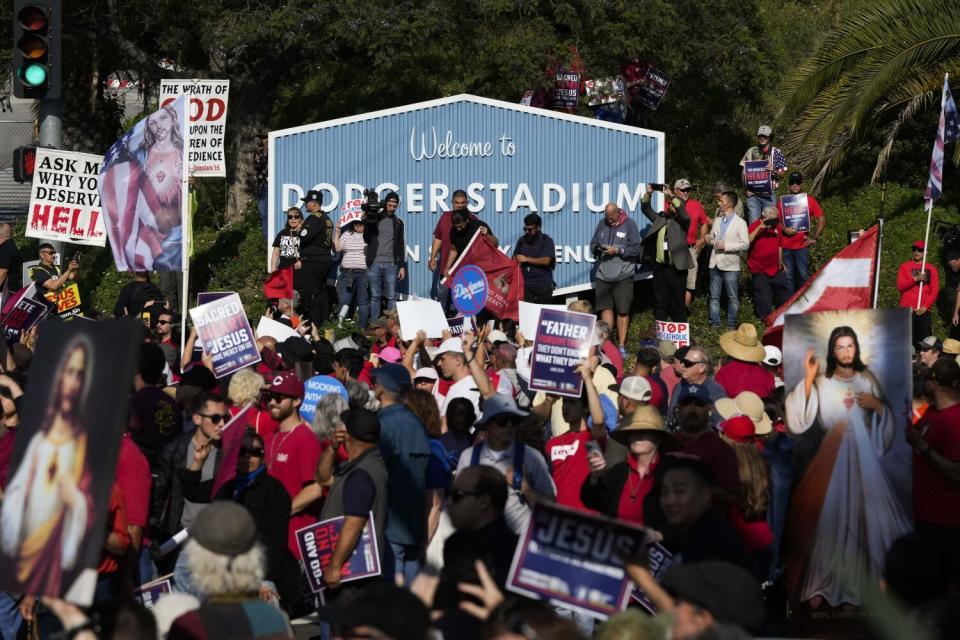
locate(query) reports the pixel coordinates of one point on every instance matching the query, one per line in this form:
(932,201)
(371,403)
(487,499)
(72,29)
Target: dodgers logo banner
(563,339)
(318,541)
(757,176)
(571,559)
(470,290)
(225,334)
(796,211)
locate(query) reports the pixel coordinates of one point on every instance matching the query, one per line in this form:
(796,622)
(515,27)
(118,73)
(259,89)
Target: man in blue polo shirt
(405,449)
(537,255)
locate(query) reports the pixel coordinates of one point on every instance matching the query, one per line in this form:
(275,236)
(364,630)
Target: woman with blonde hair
(245,387)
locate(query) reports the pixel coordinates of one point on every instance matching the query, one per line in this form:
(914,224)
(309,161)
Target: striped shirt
(353,246)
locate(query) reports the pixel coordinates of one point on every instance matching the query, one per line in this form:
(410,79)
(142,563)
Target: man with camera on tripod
(383,233)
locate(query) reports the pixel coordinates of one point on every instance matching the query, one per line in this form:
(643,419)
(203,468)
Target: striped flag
(947,131)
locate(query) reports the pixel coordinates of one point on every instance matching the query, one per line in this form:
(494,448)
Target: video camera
(372,208)
(949,233)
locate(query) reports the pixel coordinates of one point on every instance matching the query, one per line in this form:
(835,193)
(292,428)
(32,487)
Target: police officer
(316,244)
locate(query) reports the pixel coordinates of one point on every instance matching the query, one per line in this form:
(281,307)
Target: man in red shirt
(135,481)
(742,370)
(765,261)
(567,453)
(936,458)
(292,453)
(696,232)
(909,280)
(440,249)
(796,255)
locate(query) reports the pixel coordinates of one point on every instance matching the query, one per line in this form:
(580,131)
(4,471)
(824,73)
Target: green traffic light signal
(34,75)
(36,60)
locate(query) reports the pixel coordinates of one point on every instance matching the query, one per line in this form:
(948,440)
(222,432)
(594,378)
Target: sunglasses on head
(253,452)
(690,363)
(216,418)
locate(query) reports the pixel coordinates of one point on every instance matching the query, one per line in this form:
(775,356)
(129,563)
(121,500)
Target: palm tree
(874,72)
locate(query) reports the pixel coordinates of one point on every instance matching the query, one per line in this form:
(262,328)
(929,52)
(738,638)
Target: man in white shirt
(453,365)
(524,468)
(729,237)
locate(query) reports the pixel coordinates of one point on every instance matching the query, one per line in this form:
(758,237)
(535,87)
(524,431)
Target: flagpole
(926,239)
(876,266)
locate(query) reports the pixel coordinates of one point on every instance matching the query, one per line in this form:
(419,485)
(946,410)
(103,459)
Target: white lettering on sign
(448,147)
(470,291)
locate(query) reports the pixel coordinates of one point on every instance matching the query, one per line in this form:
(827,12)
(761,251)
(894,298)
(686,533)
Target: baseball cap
(773,356)
(426,373)
(738,428)
(667,348)
(450,345)
(496,336)
(634,387)
(930,342)
(499,404)
(728,592)
(682,183)
(795,178)
(377,323)
(393,377)
(286,383)
(313,196)
(361,424)
(345,343)
(919,244)
(765,130)
(390,354)
(696,392)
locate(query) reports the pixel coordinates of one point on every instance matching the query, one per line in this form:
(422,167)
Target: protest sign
(147,594)
(418,314)
(317,541)
(604,91)
(144,191)
(231,437)
(71,422)
(470,290)
(757,177)
(351,211)
(658,561)
(848,384)
(65,200)
(566,89)
(276,330)
(314,389)
(796,211)
(652,88)
(562,340)
(459,324)
(66,300)
(23,315)
(572,559)
(676,332)
(502,274)
(208,119)
(530,315)
(225,334)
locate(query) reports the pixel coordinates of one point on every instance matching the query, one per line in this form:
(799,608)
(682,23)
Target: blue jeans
(403,559)
(755,205)
(183,578)
(353,282)
(728,280)
(383,282)
(10,618)
(797,262)
(778,453)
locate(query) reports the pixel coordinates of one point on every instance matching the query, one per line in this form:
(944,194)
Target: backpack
(519,451)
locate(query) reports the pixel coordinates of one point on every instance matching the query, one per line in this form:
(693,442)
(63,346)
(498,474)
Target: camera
(372,208)
(657,186)
(770,222)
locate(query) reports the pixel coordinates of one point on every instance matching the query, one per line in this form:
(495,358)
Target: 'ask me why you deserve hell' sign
(64,198)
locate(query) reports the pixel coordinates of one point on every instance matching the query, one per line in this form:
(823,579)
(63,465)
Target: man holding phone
(616,247)
(765,261)
(47,275)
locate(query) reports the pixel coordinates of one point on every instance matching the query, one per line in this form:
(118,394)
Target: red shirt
(616,359)
(6,450)
(292,458)
(569,467)
(135,482)
(716,454)
(763,256)
(910,288)
(657,401)
(442,233)
(635,489)
(698,217)
(736,376)
(670,378)
(796,241)
(756,535)
(117,524)
(936,500)
(261,422)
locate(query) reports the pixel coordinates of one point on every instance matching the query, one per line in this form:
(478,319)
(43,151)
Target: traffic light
(24,160)
(36,49)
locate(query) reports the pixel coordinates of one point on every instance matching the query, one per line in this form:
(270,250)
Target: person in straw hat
(743,370)
(619,491)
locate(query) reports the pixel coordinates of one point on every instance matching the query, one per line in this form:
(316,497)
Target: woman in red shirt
(620,490)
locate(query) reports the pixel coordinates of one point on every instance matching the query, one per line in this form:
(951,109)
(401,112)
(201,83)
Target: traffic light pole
(51,137)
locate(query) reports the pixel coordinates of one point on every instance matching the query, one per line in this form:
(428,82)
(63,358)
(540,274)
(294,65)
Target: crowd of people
(442,446)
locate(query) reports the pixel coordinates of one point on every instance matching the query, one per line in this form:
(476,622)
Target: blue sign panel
(314,389)
(510,159)
(470,290)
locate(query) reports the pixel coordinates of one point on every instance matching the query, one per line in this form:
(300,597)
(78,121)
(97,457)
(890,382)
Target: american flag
(948,131)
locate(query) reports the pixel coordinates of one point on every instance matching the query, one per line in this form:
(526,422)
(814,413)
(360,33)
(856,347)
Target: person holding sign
(777,164)
(47,274)
(796,241)
(910,277)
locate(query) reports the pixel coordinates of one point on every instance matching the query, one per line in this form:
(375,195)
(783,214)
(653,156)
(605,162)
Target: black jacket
(676,236)
(166,507)
(601,492)
(316,237)
(371,235)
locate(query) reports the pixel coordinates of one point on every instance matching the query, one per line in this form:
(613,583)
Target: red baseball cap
(738,428)
(919,244)
(285,383)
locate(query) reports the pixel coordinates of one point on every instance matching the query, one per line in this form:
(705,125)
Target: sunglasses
(273,396)
(457,494)
(690,363)
(294,217)
(164,322)
(216,418)
(687,190)
(253,452)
